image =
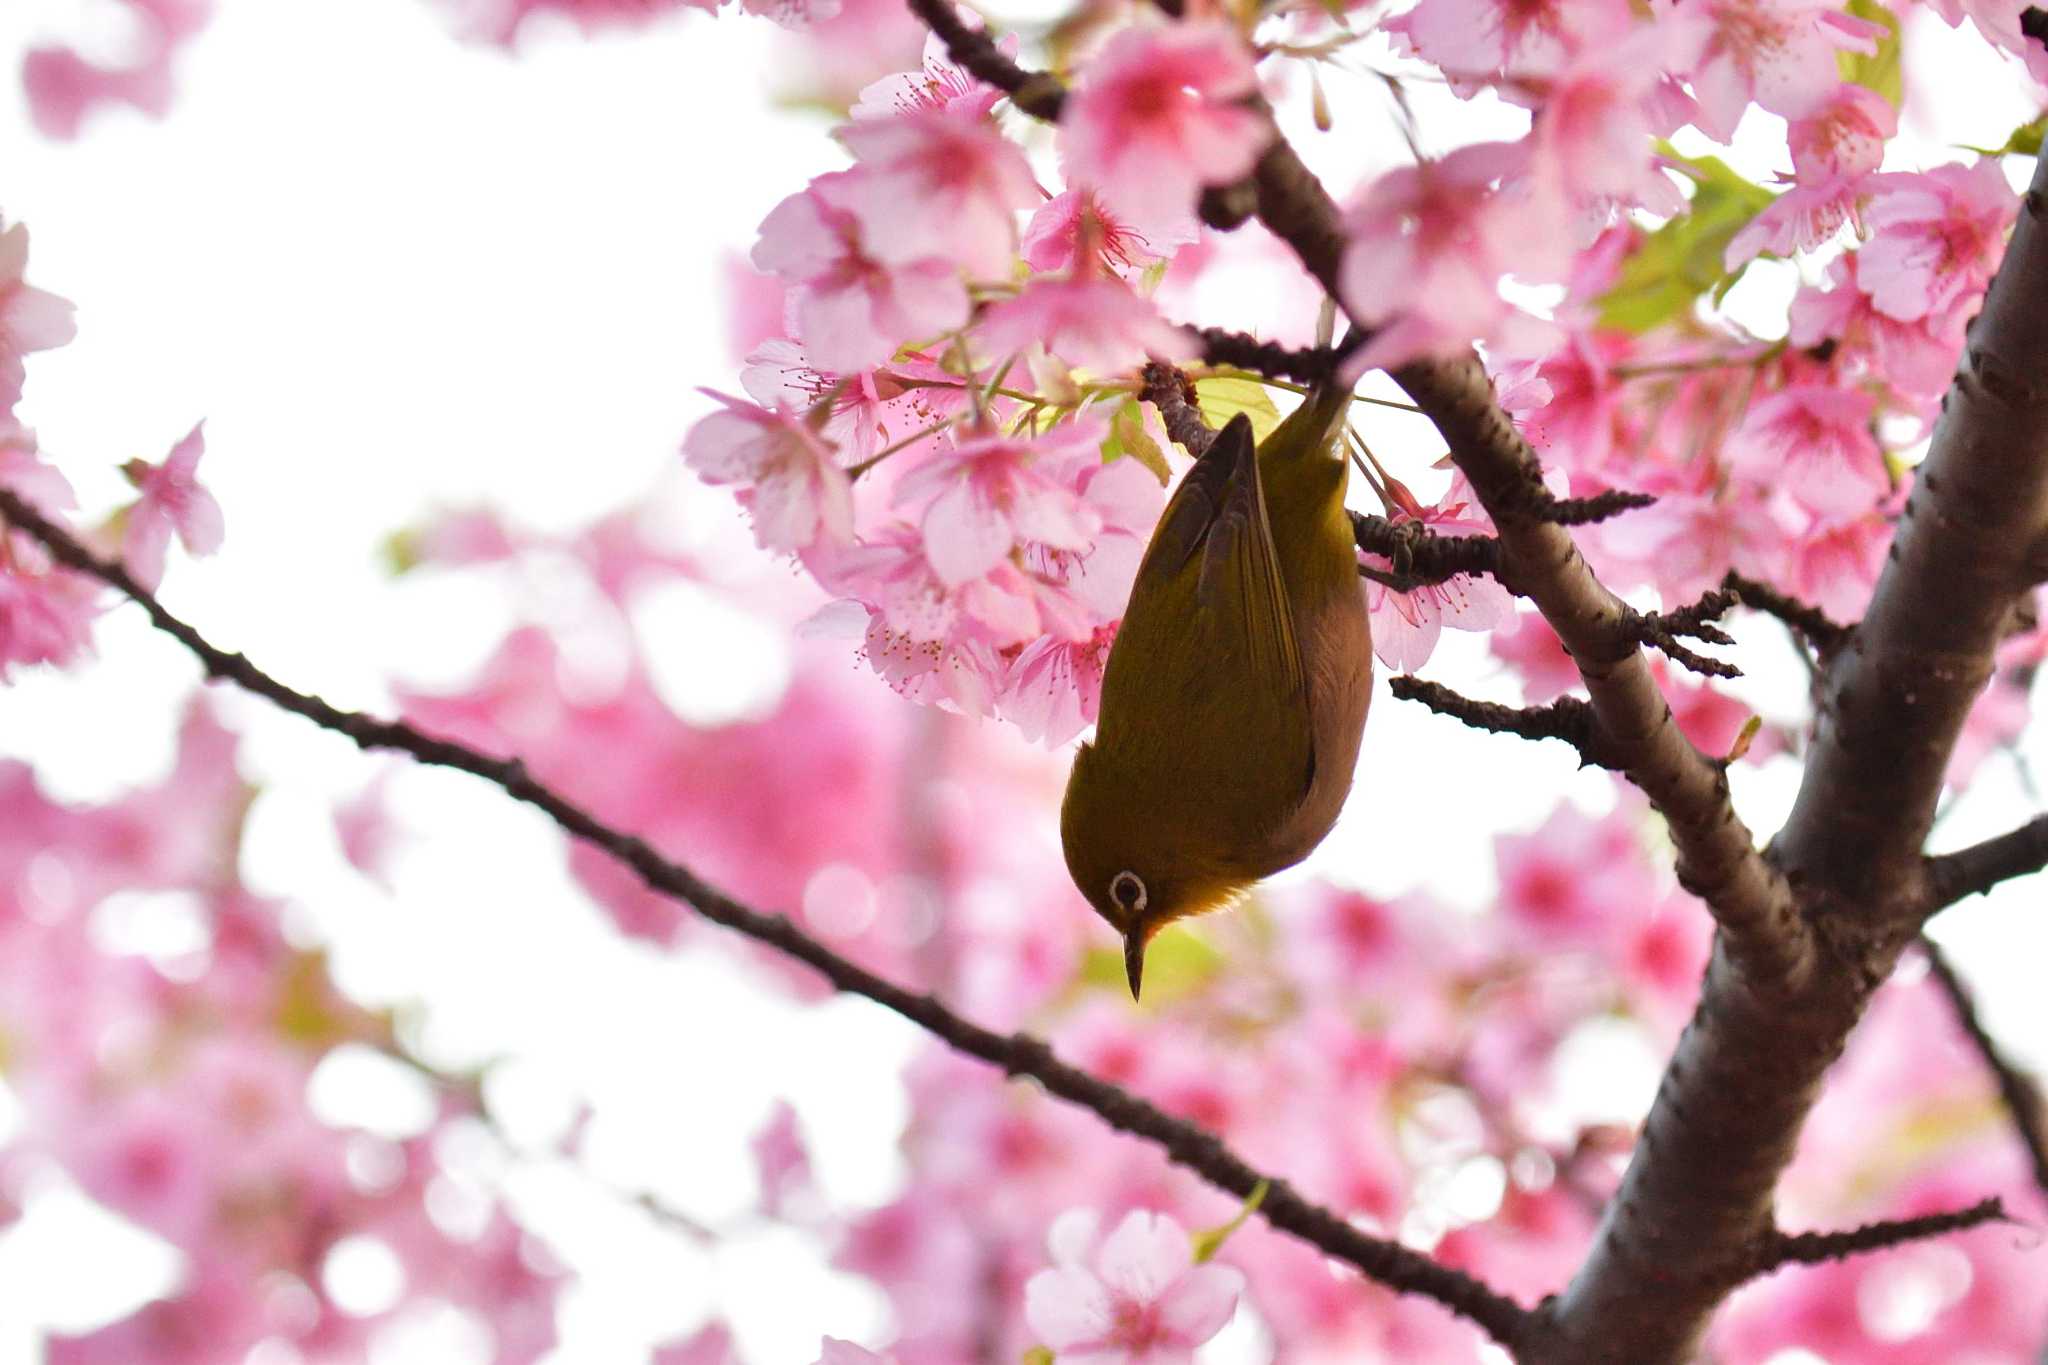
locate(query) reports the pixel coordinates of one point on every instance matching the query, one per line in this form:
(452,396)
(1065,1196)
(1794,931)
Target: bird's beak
(1134,959)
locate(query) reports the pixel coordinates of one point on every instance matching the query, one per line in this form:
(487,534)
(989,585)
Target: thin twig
(1585,511)
(1975,870)
(1305,364)
(2017,1089)
(1570,719)
(1812,1248)
(1016,1054)
(1421,557)
(1820,633)
(1662,629)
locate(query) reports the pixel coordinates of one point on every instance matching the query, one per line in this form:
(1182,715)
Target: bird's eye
(1128,891)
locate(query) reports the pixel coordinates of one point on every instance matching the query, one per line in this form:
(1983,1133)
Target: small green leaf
(1038,1355)
(1747,737)
(1210,1240)
(1222,397)
(1878,70)
(1683,260)
(1127,436)
(2024,141)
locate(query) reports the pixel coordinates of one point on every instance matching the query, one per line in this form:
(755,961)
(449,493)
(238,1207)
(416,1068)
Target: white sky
(393,274)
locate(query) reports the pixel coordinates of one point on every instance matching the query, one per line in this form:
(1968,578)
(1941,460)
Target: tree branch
(1790,973)
(1168,388)
(1662,629)
(2017,1090)
(1568,718)
(1422,556)
(1304,364)
(1811,1248)
(1975,870)
(1016,1054)
(1812,624)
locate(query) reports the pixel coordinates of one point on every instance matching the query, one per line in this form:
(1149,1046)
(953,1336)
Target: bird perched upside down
(1235,693)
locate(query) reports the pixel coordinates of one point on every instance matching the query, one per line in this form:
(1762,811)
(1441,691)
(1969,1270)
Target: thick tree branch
(1791,973)
(2017,1090)
(1812,1248)
(1016,1054)
(1975,870)
(1717,858)
(1568,718)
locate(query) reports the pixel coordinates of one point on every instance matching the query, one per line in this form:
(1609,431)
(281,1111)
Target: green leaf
(1127,436)
(1210,1240)
(1879,70)
(2024,141)
(1682,260)
(1038,1355)
(1222,397)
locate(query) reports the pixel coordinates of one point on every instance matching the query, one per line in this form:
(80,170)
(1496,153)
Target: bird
(1234,696)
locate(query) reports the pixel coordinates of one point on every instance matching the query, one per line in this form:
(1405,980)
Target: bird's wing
(1209,618)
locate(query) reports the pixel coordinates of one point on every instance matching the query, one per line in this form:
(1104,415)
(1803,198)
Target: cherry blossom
(1157,114)
(31,319)
(172,501)
(1815,442)
(1074,231)
(1935,237)
(855,301)
(792,485)
(935,184)
(65,87)
(1429,245)
(1090,321)
(1137,1298)
(937,84)
(1779,53)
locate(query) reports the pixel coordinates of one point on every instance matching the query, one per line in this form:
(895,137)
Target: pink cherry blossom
(1405,625)
(833,1351)
(172,501)
(65,87)
(937,84)
(1157,114)
(1779,53)
(937,185)
(31,319)
(1138,1300)
(1814,441)
(1429,246)
(1595,121)
(1474,39)
(711,1346)
(987,495)
(1834,152)
(791,484)
(1935,237)
(870,410)
(1074,231)
(1574,881)
(1093,322)
(1916,357)
(855,300)
(1054,686)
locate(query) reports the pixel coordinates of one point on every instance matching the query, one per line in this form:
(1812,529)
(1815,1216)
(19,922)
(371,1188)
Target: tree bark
(1698,1194)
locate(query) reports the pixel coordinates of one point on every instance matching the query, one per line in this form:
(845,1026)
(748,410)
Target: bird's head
(1138,876)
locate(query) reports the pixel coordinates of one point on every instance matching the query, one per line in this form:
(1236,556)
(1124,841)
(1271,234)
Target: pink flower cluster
(65,87)
(46,613)
(173,1088)
(929,438)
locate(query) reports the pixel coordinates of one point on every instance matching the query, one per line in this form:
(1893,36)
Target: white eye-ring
(1128,891)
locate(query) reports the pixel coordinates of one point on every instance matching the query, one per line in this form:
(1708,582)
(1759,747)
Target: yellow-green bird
(1235,694)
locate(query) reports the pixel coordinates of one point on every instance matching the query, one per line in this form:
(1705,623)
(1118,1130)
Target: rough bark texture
(1894,698)
(1807,933)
